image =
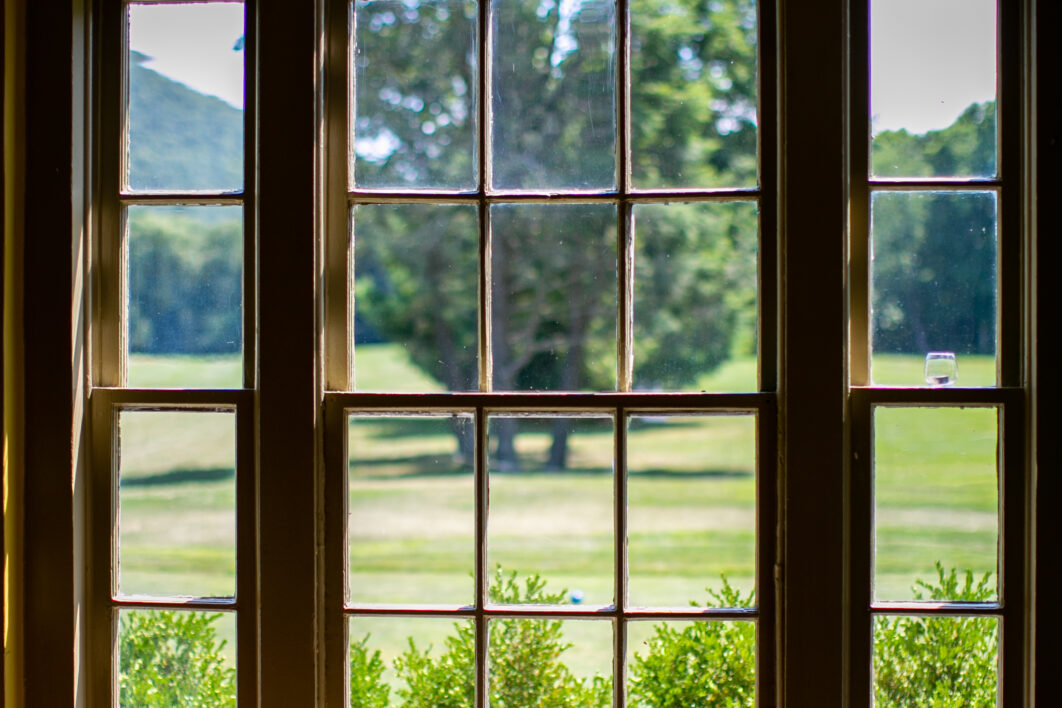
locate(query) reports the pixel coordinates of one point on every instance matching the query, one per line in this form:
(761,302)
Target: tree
(553,270)
(934,267)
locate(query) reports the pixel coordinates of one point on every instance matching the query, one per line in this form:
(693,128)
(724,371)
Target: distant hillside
(181,139)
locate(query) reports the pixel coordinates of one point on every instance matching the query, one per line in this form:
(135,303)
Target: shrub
(169,658)
(525,665)
(367,688)
(703,664)
(942,662)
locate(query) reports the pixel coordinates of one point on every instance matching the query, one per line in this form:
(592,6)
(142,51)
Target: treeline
(554,281)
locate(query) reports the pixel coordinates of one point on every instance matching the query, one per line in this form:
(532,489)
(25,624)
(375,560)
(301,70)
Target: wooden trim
(1045,380)
(288,380)
(813,225)
(51,316)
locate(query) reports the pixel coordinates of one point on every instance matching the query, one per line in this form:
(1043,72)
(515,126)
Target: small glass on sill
(941,369)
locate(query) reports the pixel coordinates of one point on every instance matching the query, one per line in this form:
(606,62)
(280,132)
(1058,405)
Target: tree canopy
(554,287)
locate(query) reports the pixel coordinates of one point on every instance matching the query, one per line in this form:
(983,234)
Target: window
(569,285)
(441,293)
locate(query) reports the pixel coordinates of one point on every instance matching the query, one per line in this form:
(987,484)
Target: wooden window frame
(820,515)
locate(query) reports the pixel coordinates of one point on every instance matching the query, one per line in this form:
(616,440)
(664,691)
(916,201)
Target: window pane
(693,93)
(550,662)
(412,505)
(414,123)
(936,500)
(185,296)
(185,111)
(416,283)
(691,664)
(554,107)
(551,502)
(934,286)
(176,658)
(933,88)
(935,661)
(177,503)
(406,661)
(695,304)
(554,298)
(691,507)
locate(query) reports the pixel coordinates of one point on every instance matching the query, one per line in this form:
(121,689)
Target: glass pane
(695,304)
(550,662)
(404,661)
(412,509)
(414,122)
(936,501)
(691,508)
(416,279)
(176,658)
(933,88)
(554,297)
(693,93)
(935,661)
(551,503)
(691,664)
(185,296)
(933,286)
(185,111)
(177,503)
(554,107)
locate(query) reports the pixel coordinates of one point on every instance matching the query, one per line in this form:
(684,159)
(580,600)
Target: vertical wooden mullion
(1012,545)
(859,331)
(101,565)
(624,215)
(625,226)
(246,560)
(1044,378)
(335,510)
(482,573)
(620,565)
(813,208)
(1010,130)
(338,266)
(768,267)
(483,178)
(860,496)
(106,320)
(767,532)
(250,213)
(288,384)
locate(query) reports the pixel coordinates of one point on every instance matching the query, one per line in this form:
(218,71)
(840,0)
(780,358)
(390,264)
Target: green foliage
(703,664)
(934,254)
(185,280)
(693,102)
(942,662)
(173,659)
(367,688)
(525,662)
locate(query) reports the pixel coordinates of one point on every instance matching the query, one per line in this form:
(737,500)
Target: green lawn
(691,495)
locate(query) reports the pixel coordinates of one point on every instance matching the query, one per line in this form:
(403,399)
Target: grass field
(691,500)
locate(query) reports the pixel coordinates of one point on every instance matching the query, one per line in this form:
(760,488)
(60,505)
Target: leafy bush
(170,658)
(704,664)
(173,658)
(525,666)
(942,662)
(367,688)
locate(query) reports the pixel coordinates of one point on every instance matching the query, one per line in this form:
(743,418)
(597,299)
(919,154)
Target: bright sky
(194,44)
(930,59)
